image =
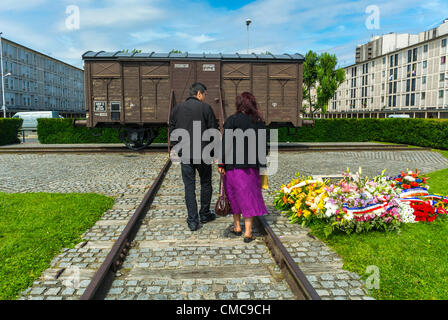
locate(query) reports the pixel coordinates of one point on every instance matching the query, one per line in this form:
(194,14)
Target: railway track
(157,254)
(284,147)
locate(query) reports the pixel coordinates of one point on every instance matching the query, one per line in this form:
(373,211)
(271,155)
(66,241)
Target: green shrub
(431,133)
(9,129)
(62,131)
(419,132)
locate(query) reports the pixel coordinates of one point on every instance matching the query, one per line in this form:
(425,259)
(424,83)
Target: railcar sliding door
(235,80)
(155,95)
(283,93)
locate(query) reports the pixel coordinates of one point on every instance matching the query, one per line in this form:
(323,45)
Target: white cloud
(20,5)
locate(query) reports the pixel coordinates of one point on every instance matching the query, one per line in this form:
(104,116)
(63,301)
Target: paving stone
(243,295)
(52,291)
(338,292)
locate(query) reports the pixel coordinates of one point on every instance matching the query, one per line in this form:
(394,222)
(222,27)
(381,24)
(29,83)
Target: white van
(398,116)
(30,118)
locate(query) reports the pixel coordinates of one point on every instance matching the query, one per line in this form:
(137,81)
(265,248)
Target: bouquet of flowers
(302,200)
(357,204)
(360,204)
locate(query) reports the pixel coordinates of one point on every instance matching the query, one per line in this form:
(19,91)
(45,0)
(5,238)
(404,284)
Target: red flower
(399,179)
(423,212)
(405,186)
(414,184)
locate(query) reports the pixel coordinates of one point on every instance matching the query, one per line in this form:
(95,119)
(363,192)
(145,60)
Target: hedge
(62,131)
(9,129)
(419,132)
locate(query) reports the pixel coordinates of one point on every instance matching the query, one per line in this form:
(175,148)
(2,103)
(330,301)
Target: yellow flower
(298,205)
(306,213)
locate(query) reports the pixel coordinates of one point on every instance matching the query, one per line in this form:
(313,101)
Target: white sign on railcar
(181,65)
(100,106)
(208,67)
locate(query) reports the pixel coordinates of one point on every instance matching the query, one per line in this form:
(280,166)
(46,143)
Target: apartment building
(396,73)
(37,82)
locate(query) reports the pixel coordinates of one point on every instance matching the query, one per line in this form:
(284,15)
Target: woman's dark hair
(246,103)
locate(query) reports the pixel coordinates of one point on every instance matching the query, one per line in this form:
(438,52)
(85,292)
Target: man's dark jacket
(185,113)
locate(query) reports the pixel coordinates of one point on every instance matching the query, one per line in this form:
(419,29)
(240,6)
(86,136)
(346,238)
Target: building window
(425,64)
(442,77)
(441,94)
(425,48)
(407,100)
(414,54)
(442,60)
(409,56)
(424,80)
(413,99)
(396,60)
(384,60)
(443,43)
(423,95)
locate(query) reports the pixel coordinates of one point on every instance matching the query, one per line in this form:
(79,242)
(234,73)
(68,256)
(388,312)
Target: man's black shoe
(208,218)
(193,227)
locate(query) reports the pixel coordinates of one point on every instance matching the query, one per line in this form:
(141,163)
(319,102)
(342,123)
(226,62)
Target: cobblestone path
(125,178)
(168,261)
(320,264)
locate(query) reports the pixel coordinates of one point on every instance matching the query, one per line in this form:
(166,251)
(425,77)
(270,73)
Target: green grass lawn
(35,227)
(412,262)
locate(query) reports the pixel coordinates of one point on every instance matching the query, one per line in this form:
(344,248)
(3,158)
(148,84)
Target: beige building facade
(396,74)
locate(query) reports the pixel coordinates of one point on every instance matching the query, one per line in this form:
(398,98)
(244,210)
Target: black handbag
(222,207)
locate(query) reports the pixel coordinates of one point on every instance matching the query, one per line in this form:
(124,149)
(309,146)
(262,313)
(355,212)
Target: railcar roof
(103,55)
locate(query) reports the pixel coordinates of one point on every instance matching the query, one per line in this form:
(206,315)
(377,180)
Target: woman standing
(242,175)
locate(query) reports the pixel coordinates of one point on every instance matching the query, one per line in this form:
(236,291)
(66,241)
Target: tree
(321,79)
(175,51)
(133,51)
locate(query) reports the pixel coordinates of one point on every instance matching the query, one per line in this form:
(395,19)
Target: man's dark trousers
(189,178)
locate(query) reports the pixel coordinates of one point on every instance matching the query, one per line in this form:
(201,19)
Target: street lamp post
(3,78)
(248,22)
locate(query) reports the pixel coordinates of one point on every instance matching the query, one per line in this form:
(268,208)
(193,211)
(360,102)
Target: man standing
(194,109)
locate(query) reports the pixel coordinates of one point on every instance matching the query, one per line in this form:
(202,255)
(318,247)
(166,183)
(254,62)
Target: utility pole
(248,22)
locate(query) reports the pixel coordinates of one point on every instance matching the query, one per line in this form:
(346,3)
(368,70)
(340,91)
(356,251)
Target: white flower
(409,178)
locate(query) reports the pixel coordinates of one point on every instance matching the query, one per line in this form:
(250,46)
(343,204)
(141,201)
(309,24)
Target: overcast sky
(279,26)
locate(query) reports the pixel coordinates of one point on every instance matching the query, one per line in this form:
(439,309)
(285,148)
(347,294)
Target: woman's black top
(247,147)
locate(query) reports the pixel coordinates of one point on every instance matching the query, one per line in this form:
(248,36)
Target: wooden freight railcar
(135,92)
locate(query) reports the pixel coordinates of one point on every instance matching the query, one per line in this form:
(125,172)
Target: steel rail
(104,277)
(163,147)
(295,277)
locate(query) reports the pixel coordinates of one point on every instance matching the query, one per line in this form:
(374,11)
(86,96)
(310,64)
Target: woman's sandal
(250,239)
(232,230)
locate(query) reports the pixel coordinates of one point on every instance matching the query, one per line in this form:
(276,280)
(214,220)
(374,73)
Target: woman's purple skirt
(243,189)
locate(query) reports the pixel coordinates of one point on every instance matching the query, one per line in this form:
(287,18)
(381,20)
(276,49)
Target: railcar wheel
(137,139)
